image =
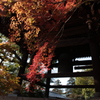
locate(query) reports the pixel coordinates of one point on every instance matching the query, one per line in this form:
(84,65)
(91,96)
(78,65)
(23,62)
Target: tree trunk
(23,65)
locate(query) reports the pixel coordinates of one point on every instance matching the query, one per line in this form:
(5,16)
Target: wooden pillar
(65,63)
(95,53)
(47,85)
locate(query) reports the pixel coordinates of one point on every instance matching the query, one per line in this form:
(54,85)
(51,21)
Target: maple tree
(86,92)
(8,81)
(9,66)
(36,26)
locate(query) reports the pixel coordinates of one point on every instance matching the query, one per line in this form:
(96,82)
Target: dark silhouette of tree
(57,90)
(69,91)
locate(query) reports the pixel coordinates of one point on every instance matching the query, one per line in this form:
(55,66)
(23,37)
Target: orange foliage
(36,23)
(8,82)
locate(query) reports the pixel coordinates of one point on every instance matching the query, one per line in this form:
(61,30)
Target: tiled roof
(56,95)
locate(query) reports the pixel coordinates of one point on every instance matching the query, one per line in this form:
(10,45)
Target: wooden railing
(27,98)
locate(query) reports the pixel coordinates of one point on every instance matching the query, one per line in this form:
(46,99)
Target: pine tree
(69,91)
(57,90)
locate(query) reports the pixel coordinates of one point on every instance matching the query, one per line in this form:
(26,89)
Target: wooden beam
(71,86)
(83,67)
(76,30)
(72,42)
(87,62)
(76,74)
